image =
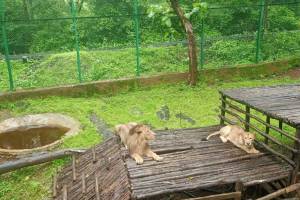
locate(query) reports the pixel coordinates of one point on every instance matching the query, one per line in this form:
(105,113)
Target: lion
(135,138)
(237,136)
(122,130)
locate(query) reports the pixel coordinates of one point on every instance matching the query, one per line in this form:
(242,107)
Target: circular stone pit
(31,133)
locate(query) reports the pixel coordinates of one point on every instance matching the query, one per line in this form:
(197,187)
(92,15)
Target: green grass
(61,69)
(200,103)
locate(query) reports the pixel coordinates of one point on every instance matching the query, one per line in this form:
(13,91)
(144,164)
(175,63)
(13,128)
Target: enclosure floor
(190,163)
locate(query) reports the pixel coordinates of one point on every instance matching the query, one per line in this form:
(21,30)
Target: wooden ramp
(189,163)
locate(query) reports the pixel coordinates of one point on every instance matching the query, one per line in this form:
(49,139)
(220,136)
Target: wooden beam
(296,159)
(267,129)
(232,195)
(239,187)
(223,99)
(37,159)
(287,190)
(247,119)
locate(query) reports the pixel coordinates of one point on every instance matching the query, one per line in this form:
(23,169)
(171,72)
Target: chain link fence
(58,42)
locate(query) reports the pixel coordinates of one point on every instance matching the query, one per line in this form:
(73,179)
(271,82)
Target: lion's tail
(213,134)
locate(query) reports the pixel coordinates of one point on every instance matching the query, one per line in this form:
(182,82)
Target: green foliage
(280,44)
(114,27)
(282,18)
(228,51)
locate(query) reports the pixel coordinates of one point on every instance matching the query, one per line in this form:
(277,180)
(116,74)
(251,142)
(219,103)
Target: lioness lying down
(237,136)
(135,138)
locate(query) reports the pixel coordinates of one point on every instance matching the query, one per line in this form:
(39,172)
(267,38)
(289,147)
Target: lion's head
(248,139)
(143,131)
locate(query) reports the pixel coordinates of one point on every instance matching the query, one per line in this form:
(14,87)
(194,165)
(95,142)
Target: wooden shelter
(193,164)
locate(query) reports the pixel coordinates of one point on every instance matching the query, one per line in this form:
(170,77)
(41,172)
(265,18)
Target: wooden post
(296,158)
(54,185)
(65,192)
(223,106)
(94,154)
(280,126)
(247,128)
(239,188)
(97,188)
(267,129)
(74,167)
(83,183)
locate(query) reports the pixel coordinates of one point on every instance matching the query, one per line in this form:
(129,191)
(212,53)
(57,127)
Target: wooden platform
(279,102)
(192,163)
(189,163)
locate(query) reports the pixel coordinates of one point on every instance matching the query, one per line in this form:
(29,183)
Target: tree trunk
(193,61)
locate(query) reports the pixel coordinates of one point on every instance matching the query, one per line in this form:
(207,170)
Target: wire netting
(62,42)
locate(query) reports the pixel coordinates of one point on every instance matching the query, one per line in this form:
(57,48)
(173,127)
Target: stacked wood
(99,173)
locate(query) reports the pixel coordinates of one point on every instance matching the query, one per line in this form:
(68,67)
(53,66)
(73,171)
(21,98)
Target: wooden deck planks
(280,102)
(190,163)
(199,165)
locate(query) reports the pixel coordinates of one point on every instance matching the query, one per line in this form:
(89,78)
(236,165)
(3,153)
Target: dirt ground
(293,73)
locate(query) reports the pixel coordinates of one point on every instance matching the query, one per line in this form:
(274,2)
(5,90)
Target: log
(37,159)
(280,192)
(232,195)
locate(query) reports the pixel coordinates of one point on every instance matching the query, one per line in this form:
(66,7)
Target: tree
(184,18)
(192,48)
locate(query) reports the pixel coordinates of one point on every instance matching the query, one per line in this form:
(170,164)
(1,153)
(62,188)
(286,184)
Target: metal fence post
(202,45)
(5,45)
(260,31)
(137,36)
(77,46)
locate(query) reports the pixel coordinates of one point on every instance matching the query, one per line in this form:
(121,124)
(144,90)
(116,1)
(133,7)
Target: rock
(186,118)
(101,126)
(163,113)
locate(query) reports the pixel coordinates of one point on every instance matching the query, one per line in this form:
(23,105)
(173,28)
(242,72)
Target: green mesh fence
(58,42)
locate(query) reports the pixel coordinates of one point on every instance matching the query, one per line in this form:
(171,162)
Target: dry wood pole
(287,190)
(37,159)
(192,48)
(225,196)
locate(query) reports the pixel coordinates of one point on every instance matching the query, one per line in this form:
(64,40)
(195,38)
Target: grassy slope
(60,69)
(200,103)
